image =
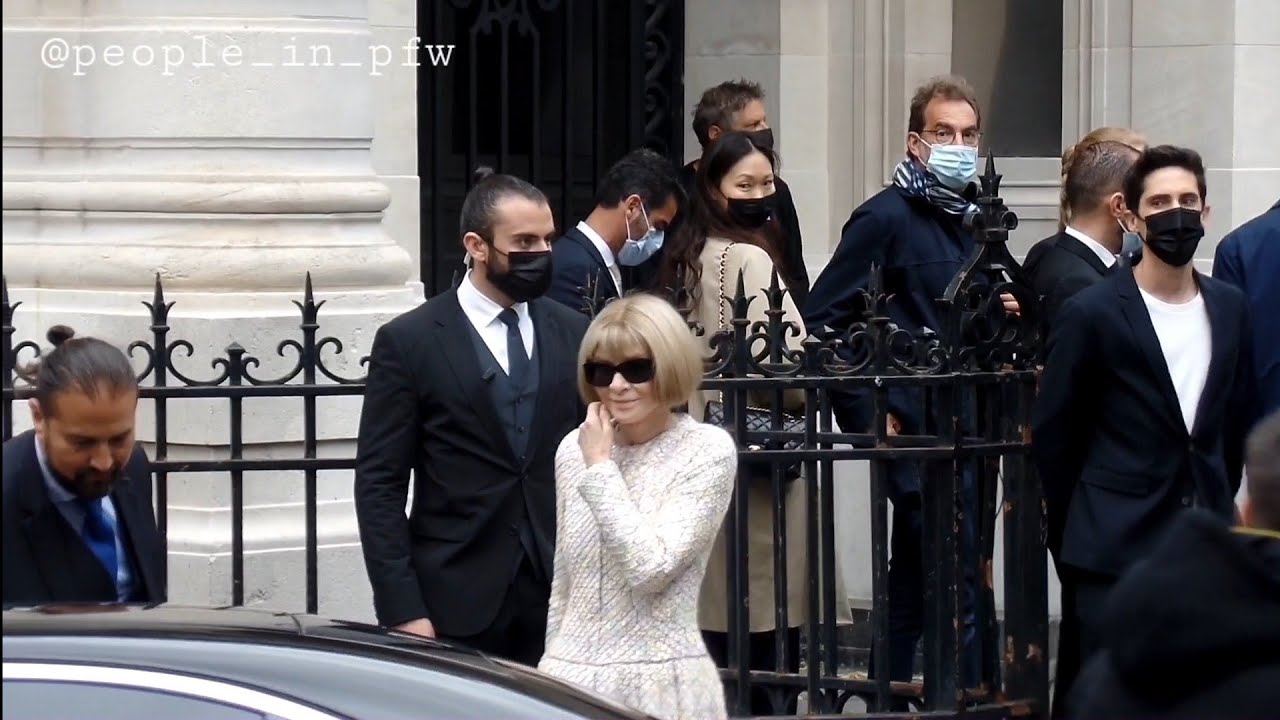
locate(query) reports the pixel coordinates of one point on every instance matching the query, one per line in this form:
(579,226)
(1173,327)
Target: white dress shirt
(1107,257)
(606,252)
(483,314)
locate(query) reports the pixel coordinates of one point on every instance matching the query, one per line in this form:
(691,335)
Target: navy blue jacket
(45,561)
(1115,457)
(1249,258)
(920,249)
(577,268)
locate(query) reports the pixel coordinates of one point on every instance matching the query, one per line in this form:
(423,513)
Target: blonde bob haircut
(639,326)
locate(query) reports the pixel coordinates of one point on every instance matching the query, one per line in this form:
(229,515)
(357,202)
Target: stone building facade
(242,159)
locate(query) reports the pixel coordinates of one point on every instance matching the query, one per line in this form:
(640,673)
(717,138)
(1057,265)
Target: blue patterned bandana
(917,182)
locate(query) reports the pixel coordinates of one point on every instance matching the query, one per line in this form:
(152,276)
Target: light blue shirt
(74,514)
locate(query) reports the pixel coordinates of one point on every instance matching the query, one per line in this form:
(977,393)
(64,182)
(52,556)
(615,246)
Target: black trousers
(1089,598)
(1068,667)
(764,656)
(519,630)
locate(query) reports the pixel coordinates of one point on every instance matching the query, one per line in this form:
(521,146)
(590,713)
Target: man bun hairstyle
(1071,156)
(488,189)
(85,365)
(1096,171)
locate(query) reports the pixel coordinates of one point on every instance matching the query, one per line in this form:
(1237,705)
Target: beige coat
(756,267)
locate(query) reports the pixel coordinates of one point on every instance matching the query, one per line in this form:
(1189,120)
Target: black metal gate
(553,91)
(979,378)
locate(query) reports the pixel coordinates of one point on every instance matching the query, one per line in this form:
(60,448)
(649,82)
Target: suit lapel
(1223,348)
(1144,333)
(453,332)
(549,345)
(128,505)
(65,563)
(1077,248)
(600,283)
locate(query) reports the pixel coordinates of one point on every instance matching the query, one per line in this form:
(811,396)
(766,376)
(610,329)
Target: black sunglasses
(633,371)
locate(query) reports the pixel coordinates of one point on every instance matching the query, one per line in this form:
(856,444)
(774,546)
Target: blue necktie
(517,357)
(100,535)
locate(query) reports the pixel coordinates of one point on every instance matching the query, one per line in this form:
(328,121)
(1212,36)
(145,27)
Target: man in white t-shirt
(1146,397)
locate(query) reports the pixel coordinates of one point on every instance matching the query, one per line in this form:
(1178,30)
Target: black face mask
(752,213)
(763,138)
(1173,235)
(528,274)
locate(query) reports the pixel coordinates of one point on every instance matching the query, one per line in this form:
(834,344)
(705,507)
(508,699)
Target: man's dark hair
(84,365)
(943,87)
(489,189)
(1096,171)
(640,172)
(1262,465)
(1158,158)
(719,104)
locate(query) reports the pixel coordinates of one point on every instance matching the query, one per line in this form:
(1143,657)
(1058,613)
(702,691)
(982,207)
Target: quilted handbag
(757,419)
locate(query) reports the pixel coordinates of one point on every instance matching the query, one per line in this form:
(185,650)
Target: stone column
(224,146)
(1187,73)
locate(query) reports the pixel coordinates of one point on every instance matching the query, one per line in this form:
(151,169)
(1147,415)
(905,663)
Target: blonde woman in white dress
(641,492)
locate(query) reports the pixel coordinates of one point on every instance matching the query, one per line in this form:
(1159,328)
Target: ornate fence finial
(994,219)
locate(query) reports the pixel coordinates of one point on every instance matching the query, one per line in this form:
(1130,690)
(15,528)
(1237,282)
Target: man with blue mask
(914,232)
(636,200)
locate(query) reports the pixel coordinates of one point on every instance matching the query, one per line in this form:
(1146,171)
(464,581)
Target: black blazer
(45,561)
(1114,454)
(427,410)
(580,275)
(1058,267)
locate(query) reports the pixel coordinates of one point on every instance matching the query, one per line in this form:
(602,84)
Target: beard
(93,485)
(85,482)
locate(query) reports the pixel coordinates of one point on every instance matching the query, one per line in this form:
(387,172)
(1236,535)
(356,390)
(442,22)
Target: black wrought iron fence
(974,378)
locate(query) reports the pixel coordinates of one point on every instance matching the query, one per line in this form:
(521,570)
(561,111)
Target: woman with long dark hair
(732,230)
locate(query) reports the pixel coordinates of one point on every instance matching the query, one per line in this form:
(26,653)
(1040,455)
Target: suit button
(514,530)
(1186,501)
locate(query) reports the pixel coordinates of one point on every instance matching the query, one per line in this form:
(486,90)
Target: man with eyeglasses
(914,231)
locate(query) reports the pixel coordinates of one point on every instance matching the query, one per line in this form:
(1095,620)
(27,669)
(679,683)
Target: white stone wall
(229,147)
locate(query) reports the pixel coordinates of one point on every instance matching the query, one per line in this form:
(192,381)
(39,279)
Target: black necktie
(517,356)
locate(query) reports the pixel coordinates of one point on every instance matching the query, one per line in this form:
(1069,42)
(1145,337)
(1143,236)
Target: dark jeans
(519,631)
(907,586)
(764,656)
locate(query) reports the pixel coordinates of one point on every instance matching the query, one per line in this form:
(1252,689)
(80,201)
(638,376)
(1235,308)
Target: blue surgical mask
(637,250)
(954,165)
(1130,241)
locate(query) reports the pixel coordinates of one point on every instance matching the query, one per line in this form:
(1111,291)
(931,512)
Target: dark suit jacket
(45,561)
(1113,451)
(1058,267)
(1249,258)
(427,410)
(580,274)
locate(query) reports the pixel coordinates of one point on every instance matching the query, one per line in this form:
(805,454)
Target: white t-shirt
(1187,343)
